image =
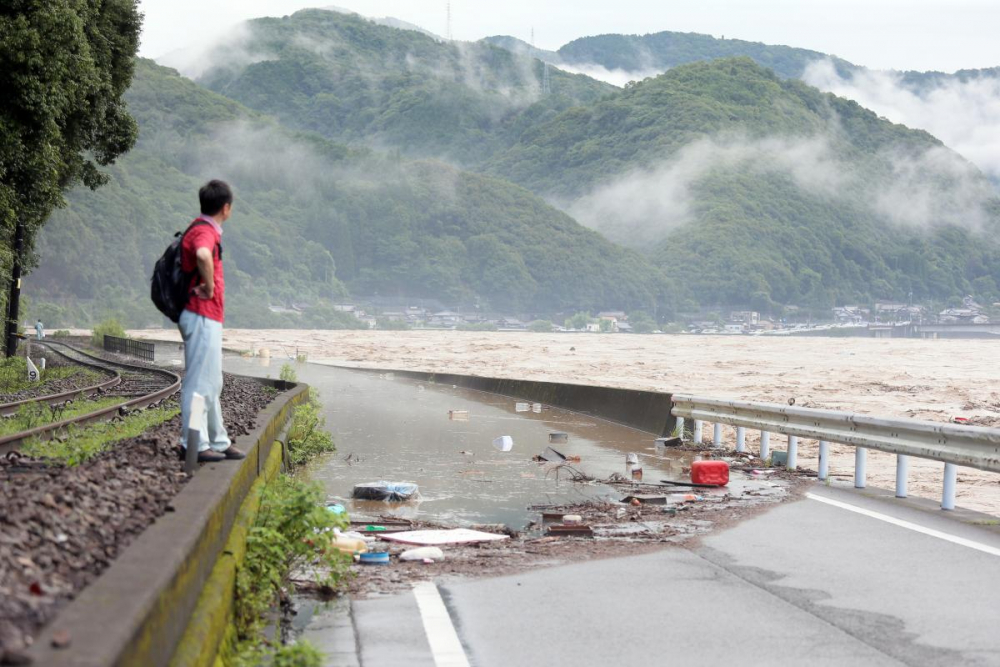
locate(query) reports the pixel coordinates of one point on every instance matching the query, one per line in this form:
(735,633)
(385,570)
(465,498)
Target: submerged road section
(836,577)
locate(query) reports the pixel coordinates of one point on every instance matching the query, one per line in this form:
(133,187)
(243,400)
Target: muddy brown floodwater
(925,379)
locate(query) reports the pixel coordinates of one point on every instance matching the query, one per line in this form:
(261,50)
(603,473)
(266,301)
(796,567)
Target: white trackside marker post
(765,445)
(32,370)
(717,435)
(697,431)
(196,423)
(741,438)
(793,453)
(860,459)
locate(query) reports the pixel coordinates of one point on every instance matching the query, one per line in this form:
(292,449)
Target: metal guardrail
(953,444)
(133,348)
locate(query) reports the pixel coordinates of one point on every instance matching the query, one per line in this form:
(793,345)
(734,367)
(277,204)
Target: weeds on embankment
(293,530)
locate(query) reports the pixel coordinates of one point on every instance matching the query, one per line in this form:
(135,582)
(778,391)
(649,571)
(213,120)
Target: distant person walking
(39,330)
(201,322)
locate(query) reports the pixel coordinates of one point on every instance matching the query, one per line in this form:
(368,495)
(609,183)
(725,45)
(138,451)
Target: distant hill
(313,220)
(664,50)
(753,188)
(356,81)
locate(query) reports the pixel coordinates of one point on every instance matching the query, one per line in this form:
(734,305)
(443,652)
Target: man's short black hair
(213,196)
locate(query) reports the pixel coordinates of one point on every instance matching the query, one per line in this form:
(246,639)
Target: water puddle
(442,438)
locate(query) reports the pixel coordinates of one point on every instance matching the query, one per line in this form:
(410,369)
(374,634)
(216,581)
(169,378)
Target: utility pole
(14,302)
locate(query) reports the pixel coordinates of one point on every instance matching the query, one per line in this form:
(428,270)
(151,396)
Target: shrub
(109,327)
(307,436)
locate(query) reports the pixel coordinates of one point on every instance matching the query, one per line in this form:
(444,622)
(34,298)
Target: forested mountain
(661,51)
(757,189)
(314,219)
(357,81)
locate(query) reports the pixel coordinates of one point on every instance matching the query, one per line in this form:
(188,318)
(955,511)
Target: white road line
(445,645)
(978,546)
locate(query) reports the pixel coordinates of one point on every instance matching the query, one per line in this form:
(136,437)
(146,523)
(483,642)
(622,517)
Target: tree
(64,67)
(540,326)
(641,322)
(578,321)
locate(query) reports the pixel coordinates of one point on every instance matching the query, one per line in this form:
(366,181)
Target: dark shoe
(233,454)
(210,456)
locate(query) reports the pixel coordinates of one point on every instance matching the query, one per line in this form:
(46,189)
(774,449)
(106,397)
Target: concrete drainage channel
(168,598)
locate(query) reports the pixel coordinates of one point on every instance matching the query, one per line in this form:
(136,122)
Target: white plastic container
(504,443)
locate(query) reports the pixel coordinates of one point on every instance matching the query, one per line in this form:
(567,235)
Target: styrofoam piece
(632,458)
(441,537)
(522,407)
(504,443)
(422,554)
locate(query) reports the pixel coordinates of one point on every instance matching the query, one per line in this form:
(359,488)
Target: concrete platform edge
(138,610)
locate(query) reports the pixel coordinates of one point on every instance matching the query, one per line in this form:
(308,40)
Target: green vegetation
(314,220)
(32,415)
(540,326)
(386,324)
(79,444)
(288,373)
(307,436)
(665,50)
(351,79)
(641,322)
(293,529)
(110,327)
(14,375)
(794,196)
(63,70)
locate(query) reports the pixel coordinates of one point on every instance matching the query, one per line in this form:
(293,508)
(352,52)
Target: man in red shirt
(201,323)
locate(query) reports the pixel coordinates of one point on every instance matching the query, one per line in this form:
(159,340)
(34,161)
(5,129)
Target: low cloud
(616,77)
(917,189)
(965,115)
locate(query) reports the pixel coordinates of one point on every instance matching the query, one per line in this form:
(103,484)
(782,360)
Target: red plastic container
(714,473)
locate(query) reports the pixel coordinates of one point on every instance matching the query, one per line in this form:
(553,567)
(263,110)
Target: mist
(616,77)
(965,115)
(919,190)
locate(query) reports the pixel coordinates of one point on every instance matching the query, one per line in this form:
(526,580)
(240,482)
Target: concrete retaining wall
(644,410)
(138,610)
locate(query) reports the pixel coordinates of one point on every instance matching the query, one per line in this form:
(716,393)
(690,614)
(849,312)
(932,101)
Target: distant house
(594,327)
(748,317)
(849,314)
(734,328)
(889,307)
(624,327)
(370,321)
(511,323)
(962,316)
(445,319)
(617,315)
(394,316)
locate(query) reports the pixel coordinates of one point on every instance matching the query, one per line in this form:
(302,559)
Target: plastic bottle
(348,545)
(684,497)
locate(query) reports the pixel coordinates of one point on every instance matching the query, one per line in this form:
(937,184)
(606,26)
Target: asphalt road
(806,582)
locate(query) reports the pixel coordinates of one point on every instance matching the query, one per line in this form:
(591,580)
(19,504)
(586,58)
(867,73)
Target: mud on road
(619,529)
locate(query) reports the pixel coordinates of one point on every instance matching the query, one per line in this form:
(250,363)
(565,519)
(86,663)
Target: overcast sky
(902,34)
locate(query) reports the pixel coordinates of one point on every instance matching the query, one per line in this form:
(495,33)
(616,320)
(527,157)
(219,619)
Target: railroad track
(137,386)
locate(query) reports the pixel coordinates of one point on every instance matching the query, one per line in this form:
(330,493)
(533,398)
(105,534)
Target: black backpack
(171,286)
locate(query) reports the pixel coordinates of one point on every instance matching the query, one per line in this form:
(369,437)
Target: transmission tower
(546,82)
(448,30)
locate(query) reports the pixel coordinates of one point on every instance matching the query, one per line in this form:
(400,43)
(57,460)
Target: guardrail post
(902,468)
(741,438)
(717,435)
(697,431)
(950,479)
(765,445)
(793,453)
(860,459)
(679,428)
(824,460)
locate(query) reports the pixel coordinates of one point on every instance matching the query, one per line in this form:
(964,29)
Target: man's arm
(206,269)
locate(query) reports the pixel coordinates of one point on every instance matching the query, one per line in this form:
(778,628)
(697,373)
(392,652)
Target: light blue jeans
(203,374)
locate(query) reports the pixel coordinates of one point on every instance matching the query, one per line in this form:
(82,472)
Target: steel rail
(46,431)
(113,381)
